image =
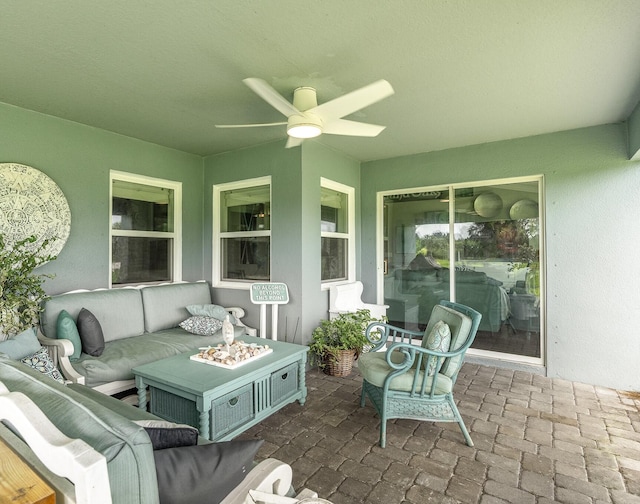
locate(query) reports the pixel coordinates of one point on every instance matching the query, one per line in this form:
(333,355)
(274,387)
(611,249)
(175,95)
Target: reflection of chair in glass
(410,381)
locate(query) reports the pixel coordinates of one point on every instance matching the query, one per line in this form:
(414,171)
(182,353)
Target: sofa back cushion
(119,311)
(125,445)
(165,306)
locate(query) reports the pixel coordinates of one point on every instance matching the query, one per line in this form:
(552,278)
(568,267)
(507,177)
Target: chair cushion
(460,325)
(439,339)
(374,368)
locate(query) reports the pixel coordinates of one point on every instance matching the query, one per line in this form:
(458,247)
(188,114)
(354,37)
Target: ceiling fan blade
(271,96)
(353,101)
(351,128)
(293,142)
(249,125)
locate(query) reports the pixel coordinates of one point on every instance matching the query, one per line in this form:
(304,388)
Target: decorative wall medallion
(32,204)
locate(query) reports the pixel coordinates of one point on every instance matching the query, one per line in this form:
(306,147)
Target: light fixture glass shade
(304,131)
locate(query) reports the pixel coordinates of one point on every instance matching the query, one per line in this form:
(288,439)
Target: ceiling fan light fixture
(304,127)
(304,131)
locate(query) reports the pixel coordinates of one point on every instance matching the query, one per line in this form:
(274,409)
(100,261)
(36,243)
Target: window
(479,245)
(145,229)
(242,233)
(337,226)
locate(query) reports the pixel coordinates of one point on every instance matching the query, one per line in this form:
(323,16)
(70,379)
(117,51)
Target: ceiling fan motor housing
(304,98)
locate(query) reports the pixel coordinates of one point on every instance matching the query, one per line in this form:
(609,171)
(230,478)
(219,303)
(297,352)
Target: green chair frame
(423,402)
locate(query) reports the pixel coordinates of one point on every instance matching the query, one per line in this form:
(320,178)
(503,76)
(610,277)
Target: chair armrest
(380,333)
(270,476)
(238,313)
(59,350)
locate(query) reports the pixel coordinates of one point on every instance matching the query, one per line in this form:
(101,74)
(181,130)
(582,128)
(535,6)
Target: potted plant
(336,343)
(21,292)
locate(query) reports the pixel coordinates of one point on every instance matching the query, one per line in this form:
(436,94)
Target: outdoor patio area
(537,440)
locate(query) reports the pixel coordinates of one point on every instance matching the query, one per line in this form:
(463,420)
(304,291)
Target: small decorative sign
(269,293)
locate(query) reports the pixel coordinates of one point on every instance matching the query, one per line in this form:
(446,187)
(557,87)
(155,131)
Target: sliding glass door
(478,245)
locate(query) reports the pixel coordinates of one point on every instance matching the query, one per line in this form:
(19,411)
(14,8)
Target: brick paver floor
(537,440)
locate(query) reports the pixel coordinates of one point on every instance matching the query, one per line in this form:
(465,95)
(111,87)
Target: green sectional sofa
(139,325)
(87,446)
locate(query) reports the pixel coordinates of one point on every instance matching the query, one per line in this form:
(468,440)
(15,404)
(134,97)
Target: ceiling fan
(307,119)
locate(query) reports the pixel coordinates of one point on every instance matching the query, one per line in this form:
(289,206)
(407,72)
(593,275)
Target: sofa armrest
(269,481)
(70,458)
(59,350)
(238,313)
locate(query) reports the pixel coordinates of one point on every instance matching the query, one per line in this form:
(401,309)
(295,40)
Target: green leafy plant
(345,332)
(21,292)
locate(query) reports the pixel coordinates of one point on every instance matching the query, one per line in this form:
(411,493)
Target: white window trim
(216,247)
(350,236)
(176,235)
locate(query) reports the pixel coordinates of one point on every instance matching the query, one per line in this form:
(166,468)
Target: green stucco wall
(592,237)
(78,158)
(591,214)
(295,224)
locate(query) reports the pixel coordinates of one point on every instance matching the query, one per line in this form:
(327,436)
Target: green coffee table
(223,402)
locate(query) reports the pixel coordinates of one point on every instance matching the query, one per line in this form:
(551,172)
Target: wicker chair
(411,381)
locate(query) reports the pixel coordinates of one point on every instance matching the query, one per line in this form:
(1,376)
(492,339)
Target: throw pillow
(439,340)
(40,361)
(211,310)
(21,345)
(203,473)
(204,326)
(168,434)
(90,333)
(66,329)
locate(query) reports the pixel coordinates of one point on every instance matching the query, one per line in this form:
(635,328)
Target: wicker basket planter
(336,343)
(341,365)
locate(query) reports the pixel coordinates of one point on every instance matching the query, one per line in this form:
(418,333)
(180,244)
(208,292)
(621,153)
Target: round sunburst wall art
(31,204)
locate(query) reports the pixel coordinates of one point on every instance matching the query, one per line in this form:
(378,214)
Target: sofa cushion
(125,446)
(211,310)
(21,345)
(165,306)
(90,333)
(203,473)
(119,311)
(41,362)
(121,356)
(204,326)
(164,434)
(66,328)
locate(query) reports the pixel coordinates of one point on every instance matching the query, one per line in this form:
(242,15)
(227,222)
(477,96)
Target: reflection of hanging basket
(340,364)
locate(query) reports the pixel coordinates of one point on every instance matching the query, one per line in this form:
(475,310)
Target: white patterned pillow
(204,326)
(40,361)
(439,340)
